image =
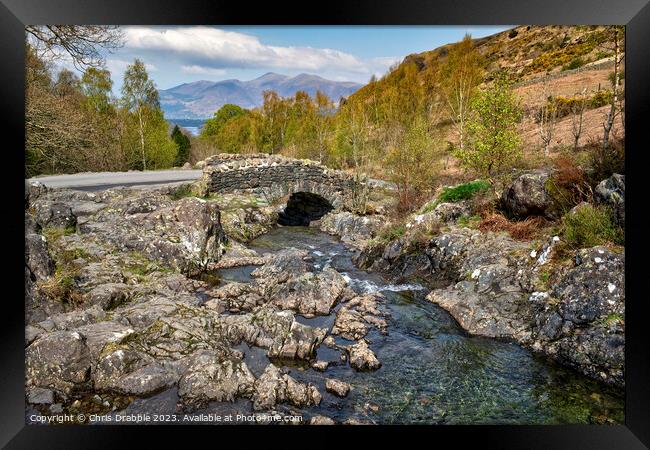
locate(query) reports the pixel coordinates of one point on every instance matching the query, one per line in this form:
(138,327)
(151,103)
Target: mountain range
(201,99)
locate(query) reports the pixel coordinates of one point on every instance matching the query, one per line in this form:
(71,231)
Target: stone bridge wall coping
(276,176)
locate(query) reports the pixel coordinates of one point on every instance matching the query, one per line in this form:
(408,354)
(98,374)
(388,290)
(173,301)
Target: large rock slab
(351,227)
(209,378)
(579,322)
(275,387)
(128,372)
(60,360)
(184,234)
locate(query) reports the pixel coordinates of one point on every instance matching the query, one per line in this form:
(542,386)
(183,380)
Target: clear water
(432,371)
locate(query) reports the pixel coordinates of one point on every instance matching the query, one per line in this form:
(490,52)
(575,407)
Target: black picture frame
(635,14)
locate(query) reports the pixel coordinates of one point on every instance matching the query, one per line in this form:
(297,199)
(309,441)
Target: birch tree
(461,75)
(139,95)
(618,36)
(577,117)
(547,120)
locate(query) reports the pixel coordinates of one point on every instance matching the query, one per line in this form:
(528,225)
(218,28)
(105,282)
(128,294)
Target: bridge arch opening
(302,208)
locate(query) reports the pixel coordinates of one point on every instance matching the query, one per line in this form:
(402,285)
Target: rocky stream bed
(139,303)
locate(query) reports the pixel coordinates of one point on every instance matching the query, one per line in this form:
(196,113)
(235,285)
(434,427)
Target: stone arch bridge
(274,177)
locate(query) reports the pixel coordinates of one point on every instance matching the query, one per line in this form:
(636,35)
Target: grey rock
(60,360)
(490,295)
(109,296)
(451,212)
(528,196)
(308,294)
(98,334)
(126,371)
(277,331)
(351,227)
(362,358)
(321,366)
(72,319)
(37,257)
(54,214)
(612,192)
(349,324)
(274,387)
(321,420)
(40,396)
(337,387)
(393,250)
(186,234)
(208,378)
(33,190)
(56,408)
(595,287)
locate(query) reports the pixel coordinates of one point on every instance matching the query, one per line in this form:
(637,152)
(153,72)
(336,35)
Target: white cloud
(379,66)
(195,69)
(386,61)
(217,49)
(119,65)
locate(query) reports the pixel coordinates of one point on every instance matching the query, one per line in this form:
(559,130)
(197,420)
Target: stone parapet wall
(275,176)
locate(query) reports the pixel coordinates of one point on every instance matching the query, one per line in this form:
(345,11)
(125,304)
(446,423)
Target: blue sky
(176,55)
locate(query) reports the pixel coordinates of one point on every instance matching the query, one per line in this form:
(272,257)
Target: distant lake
(193,126)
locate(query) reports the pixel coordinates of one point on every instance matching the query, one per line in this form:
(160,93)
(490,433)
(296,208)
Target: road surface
(97,181)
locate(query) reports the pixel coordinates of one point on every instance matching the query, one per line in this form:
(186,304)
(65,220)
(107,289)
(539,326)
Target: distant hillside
(524,52)
(200,99)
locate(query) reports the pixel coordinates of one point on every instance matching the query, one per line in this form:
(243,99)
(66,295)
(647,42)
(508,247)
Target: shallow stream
(432,371)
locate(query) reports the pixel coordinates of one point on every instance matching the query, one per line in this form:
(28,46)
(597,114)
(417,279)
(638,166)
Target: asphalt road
(97,181)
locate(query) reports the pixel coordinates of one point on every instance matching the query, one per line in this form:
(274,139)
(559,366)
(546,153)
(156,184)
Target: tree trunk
(612,111)
(144,159)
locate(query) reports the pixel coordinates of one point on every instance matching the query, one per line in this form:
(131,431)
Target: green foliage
(460,77)
(544,278)
(183,144)
(601,98)
(393,233)
(574,64)
(588,226)
(567,54)
(428,207)
(563,106)
(212,127)
(138,91)
(469,221)
(75,125)
(613,318)
(612,77)
(141,101)
(183,191)
(494,141)
(96,84)
(463,191)
(413,165)
(53,234)
(606,160)
(145,140)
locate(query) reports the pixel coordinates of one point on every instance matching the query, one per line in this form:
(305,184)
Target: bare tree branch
(82,44)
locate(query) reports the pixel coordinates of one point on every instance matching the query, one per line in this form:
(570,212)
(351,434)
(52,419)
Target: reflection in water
(432,371)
